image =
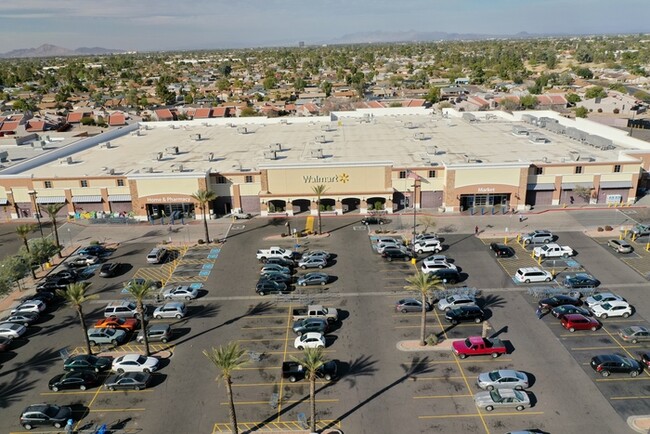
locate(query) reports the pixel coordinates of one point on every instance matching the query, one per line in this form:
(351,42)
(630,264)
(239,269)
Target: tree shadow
(12,390)
(491,301)
(39,362)
(362,366)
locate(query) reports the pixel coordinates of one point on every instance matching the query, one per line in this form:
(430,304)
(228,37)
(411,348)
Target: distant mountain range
(415,36)
(48,50)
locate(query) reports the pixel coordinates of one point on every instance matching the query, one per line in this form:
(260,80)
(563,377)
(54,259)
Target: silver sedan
(502,398)
(313,279)
(502,379)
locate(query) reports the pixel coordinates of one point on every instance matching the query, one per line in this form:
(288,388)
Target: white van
(532,274)
(156,255)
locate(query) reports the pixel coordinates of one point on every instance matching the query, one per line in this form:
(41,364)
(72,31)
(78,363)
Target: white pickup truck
(274,252)
(553,250)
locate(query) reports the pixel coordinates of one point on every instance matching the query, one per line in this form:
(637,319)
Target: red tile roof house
(552,101)
(9,127)
(220,112)
(475,102)
(308,109)
(75,118)
(163,115)
(33,125)
(116,119)
(203,113)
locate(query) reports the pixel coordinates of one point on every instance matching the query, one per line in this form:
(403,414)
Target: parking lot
(428,390)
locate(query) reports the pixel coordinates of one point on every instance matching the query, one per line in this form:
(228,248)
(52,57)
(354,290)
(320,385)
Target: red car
(126,324)
(575,321)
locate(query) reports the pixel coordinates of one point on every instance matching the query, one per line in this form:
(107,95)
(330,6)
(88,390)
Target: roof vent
(270,155)
(209,156)
(321,139)
(242,130)
(317,153)
(173,150)
(195,137)
(67,160)
(147,169)
(275,146)
(157,156)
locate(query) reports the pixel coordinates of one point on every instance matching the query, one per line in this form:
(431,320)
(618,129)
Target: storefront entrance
(468,201)
(173,210)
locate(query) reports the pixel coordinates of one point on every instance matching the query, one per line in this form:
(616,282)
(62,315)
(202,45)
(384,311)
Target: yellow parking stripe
(273,426)
(605,347)
(101,410)
(446,416)
(295,401)
(619,398)
(442,396)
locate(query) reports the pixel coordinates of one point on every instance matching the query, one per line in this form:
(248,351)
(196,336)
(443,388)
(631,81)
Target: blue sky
(170,25)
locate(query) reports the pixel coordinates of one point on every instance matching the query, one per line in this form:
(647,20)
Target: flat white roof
(408,139)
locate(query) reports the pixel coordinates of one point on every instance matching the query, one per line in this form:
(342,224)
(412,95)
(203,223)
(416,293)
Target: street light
(415,189)
(32,194)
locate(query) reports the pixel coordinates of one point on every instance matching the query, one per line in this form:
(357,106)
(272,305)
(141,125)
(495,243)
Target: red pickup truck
(477,346)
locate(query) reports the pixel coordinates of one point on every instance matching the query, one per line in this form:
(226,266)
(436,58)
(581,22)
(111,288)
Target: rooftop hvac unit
(283,122)
(4,156)
(178,168)
(275,146)
(209,156)
(419,136)
(111,171)
(67,160)
(317,153)
(157,156)
(326,128)
(205,124)
(195,137)
(172,150)
(242,130)
(147,169)
(320,139)
(575,155)
(136,133)
(270,155)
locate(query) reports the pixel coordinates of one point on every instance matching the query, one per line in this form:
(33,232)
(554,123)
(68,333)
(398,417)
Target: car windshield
(598,297)
(110,332)
(494,375)
(606,306)
(468,343)
(141,360)
(52,410)
(519,395)
(627,331)
(496,397)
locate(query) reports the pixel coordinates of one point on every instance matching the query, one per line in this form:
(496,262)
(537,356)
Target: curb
(164,354)
(414,345)
(639,424)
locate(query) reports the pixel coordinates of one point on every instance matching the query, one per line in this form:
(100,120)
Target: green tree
(269,83)
(42,249)
(75,294)
(52,210)
(528,101)
(642,95)
(13,269)
(247,112)
(595,92)
(312,360)
(581,112)
(318,191)
(204,197)
(619,87)
(326,87)
(228,359)
(584,73)
(424,284)
(433,95)
(23,231)
(573,98)
(141,291)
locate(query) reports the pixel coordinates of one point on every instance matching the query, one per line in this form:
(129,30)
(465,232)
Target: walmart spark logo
(344,178)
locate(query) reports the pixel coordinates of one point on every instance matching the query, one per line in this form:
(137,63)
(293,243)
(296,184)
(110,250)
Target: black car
(309,325)
(63,276)
(580,280)
(374,221)
(128,380)
(502,251)
(558,300)
(264,287)
(277,277)
(51,285)
(567,309)
(45,414)
(86,362)
(447,275)
(465,313)
(285,262)
(109,269)
(73,380)
(392,254)
(607,364)
(294,371)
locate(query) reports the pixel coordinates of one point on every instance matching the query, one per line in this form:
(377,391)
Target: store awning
(616,184)
(92,198)
(573,185)
(541,187)
(50,199)
(119,198)
(3,200)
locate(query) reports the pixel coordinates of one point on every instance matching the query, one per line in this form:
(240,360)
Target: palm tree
(141,291)
(204,197)
(423,283)
(52,210)
(318,191)
(312,360)
(23,231)
(75,294)
(228,358)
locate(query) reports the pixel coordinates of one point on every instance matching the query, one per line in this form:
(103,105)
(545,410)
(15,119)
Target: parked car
(294,371)
(122,309)
(645,359)
(569,309)
(601,298)
(155,333)
(173,309)
(106,336)
(24,318)
(612,308)
(532,274)
(465,313)
(51,285)
(410,305)
(126,324)
(635,334)
(109,269)
(36,306)
(452,301)
(502,398)
(557,300)
(264,287)
(502,251)
(607,364)
(426,236)
(82,260)
(268,268)
(73,380)
(312,263)
(181,292)
(374,221)
(392,245)
(398,241)
(427,246)
(580,280)
(620,246)
(309,340)
(285,262)
(431,265)
(128,380)
(317,254)
(310,325)
(94,250)
(44,415)
(575,321)
(237,215)
(69,275)
(135,363)
(392,254)
(503,379)
(541,236)
(277,277)
(447,275)
(5,343)
(86,362)
(156,255)
(315,278)
(641,230)
(12,330)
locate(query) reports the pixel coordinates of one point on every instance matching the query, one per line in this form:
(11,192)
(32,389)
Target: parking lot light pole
(415,189)
(32,194)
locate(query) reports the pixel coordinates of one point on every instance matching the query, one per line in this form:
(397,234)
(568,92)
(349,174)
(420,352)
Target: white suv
(428,245)
(532,274)
(430,265)
(156,255)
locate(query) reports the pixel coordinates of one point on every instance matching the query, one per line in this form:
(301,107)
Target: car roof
(174,304)
(130,357)
(574,316)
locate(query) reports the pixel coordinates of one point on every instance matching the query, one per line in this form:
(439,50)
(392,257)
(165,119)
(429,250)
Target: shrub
(200,241)
(271,207)
(379,205)
(609,228)
(432,339)
(616,111)
(600,229)
(95,243)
